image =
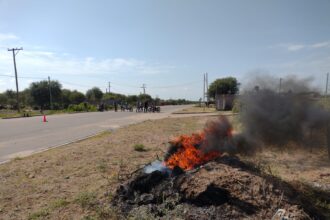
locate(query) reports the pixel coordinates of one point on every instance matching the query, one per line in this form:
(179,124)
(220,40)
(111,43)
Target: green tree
(11,98)
(144,97)
(66,93)
(25,98)
(77,97)
(132,99)
(228,85)
(40,93)
(3,99)
(94,95)
(72,97)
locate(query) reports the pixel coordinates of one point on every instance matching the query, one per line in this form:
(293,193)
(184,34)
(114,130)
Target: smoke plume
(290,113)
(271,115)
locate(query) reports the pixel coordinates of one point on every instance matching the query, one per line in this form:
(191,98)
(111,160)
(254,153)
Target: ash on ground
(225,188)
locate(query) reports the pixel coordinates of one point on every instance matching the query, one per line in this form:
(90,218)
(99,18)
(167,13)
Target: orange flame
(188,156)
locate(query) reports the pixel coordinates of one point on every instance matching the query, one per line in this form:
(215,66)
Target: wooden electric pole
(144,88)
(50,94)
(14,56)
(327,85)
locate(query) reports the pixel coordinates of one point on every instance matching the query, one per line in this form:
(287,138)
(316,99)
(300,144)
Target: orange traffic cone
(44,120)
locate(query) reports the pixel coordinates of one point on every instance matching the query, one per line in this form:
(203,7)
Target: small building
(224,102)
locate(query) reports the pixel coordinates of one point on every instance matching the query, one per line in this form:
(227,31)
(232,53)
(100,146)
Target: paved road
(24,136)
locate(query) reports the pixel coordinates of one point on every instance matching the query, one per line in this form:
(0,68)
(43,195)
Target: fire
(189,154)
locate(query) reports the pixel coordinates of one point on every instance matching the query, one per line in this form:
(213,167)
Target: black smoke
(277,114)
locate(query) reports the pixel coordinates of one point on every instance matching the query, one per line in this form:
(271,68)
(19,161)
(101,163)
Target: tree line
(45,94)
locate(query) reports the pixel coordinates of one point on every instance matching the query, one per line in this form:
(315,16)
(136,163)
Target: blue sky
(166,44)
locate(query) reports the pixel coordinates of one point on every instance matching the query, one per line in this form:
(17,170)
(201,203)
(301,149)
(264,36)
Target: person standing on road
(146,106)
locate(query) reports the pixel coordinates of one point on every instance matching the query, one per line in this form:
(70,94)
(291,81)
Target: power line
(109,83)
(177,85)
(75,84)
(22,77)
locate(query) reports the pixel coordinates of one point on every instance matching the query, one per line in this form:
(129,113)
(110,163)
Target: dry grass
(294,164)
(77,181)
(196,109)
(308,172)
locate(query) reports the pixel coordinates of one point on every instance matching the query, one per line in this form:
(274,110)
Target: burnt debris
(225,188)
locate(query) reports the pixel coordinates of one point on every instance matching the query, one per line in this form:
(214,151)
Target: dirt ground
(77,181)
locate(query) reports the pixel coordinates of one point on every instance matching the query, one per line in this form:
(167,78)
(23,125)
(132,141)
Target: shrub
(82,107)
(86,199)
(236,106)
(139,147)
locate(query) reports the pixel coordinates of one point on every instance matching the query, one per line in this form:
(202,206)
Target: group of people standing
(146,106)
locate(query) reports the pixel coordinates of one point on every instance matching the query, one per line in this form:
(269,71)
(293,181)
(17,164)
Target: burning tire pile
(197,181)
(224,188)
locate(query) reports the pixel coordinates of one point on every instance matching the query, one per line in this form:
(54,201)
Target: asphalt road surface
(24,136)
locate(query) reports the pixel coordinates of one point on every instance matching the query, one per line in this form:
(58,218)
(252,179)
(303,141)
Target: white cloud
(87,72)
(49,62)
(297,47)
(321,45)
(7,37)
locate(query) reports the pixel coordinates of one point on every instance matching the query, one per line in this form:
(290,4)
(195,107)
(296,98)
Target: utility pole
(280,87)
(207,87)
(204,89)
(109,87)
(14,56)
(327,85)
(50,94)
(144,88)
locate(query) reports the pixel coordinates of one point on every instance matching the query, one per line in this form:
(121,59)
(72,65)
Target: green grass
(15,114)
(86,199)
(102,166)
(139,147)
(59,203)
(41,214)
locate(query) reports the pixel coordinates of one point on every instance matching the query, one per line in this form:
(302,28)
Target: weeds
(88,217)
(41,214)
(86,199)
(139,147)
(102,166)
(59,203)
(17,158)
